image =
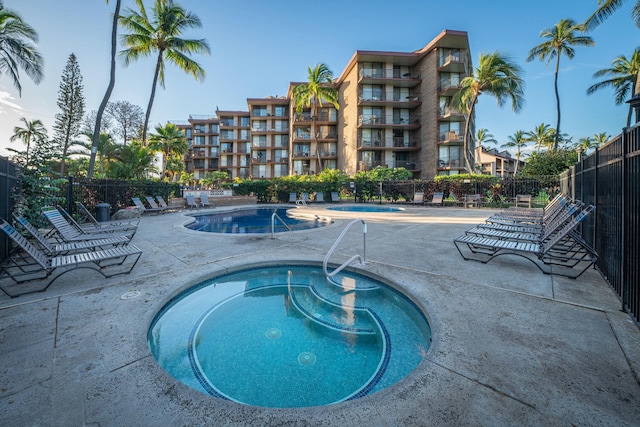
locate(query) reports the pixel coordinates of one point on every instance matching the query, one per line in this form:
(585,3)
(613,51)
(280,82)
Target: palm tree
(133,161)
(559,40)
(484,137)
(586,143)
(106,152)
(318,89)
(519,141)
(601,138)
(169,141)
(17,49)
(606,8)
(95,138)
(542,135)
(624,76)
(161,33)
(33,131)
(495,75)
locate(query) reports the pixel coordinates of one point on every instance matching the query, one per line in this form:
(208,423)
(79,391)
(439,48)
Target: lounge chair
(319,197)
(204,200)
(65,232)
(436,200)
(472,200)
(418,198)
(558,254)
(162,203)
(335,197)
(524,201)
(125,223)
(191,202)
(293,197)
(138,203)
(90,228)
(32,264)
(152,202)
(64,248)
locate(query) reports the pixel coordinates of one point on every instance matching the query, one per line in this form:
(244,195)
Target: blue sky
(258,47)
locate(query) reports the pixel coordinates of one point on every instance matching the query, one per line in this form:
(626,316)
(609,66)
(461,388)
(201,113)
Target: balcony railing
(370,143)
(449,111)
(388,74)
(449,163)
(409,165)
(448,84)
(402,143)
(259,128)
(371,120)
(365,166)
(449,136)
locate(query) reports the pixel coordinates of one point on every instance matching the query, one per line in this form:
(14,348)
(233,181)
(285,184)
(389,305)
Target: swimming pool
(255,220)
(285,336)
(366,208)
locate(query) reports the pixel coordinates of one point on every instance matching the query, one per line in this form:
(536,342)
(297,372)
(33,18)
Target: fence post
(70,193)
(623,219)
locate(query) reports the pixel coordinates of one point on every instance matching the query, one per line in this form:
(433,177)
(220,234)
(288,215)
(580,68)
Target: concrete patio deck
(511,346)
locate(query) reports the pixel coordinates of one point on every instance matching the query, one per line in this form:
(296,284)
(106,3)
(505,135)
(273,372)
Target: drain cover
(130,295)
(306,358)
(273,333)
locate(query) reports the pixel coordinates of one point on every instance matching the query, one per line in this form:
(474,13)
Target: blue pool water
(254,220)
(285,336)
(366,208)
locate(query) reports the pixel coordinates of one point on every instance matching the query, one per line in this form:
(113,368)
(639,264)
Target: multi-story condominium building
(395,111)
(497,163)
(270,142)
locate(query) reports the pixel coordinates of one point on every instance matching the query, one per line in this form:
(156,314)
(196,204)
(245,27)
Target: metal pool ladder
(363,258)
(273,224)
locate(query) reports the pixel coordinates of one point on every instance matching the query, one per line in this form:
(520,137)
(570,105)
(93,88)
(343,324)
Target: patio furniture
(524,201)
(53,248)
(436,200)
(559,254)
(418,198)
(335,197)
(204,200)
(293,197)
(191,202)
(65,232)
(92,228)
(472,200)
(152,202)
(319,197)
(125,224)
(31,264)
(138,203)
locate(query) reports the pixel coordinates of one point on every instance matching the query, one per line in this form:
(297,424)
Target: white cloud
(6,100)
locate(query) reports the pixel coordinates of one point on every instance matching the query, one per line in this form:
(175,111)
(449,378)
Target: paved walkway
(511,346)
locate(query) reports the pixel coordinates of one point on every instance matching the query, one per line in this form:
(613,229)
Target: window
(372,137)
(260,111)
(244,121)
(281,140)
(372,69)
(372,92)
(259,125)
(259,140)
(281,125)
(280,111)
(303,133)
(401,94)
(400,116)
(215,128)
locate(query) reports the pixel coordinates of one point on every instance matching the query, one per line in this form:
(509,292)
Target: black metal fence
(610,179)
(8,181)
(116,192)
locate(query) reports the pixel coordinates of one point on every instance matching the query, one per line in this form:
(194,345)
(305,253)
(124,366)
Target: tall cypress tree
(71,102)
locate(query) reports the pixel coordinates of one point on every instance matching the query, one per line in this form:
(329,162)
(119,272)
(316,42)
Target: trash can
(103,212)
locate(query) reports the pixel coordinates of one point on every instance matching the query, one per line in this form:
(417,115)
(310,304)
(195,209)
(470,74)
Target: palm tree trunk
(153,94)
(107,95)
(555,144)
(465,138)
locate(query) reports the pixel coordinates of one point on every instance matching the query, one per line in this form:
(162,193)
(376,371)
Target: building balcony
(371,120)
(366,166)
(450,163)
(450,114)
(452,64)
(408,165)
(448,87)
(302,155)
(412,144)
(370,144)
(449,137)
(397,78)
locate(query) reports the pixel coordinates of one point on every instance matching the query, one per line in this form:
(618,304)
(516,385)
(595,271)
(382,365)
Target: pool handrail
(363,258)
(273,224)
